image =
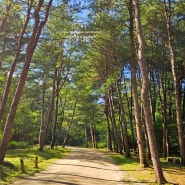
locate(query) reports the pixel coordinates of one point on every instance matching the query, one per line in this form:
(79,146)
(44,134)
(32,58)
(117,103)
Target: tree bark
(146,138)
(123,124)
(43,132)
(10,75)
(117,144)
(109,139)
(163,102)
(167,11)
(86,135)
(153,94)
(145,98)
(29,53)
(69,125)
(42,120)
(53,137)
(140,141)
(93,135)
(183,106)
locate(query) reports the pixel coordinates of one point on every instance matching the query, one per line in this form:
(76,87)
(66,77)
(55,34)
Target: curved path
(79,167)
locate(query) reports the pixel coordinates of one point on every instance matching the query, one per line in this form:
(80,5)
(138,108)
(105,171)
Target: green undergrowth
(134,173)
(12,168)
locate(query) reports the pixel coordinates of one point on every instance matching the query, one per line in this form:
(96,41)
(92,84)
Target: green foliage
(88,67)
(102,144)
(26,123)
(1,134)
(76,136)
(17,145)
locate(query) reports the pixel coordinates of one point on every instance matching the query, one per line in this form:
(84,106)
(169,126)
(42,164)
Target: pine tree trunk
(42,121)
(117,144)
(165,128)
(69,125)
(53,137)
(183,106)
(145,98)
(167,9)
(122,122)
(10,75)
(109,138)
(163,102)
(93,136)
(43,131)
(86,135)
(140,141)
(29,53)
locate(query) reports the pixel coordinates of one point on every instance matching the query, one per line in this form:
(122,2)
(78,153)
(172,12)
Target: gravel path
(79,167)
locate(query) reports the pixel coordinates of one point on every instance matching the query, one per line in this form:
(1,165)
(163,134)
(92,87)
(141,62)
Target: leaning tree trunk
(140,141)
(145,98)
(27,60)
(16,58)
(167,10)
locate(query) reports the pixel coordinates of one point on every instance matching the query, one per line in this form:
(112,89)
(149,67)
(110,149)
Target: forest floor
(79,167)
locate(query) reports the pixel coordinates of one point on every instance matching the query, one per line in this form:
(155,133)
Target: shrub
(17,145)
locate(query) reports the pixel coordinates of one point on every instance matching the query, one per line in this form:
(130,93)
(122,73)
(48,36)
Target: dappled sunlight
(80,166)
(134,174)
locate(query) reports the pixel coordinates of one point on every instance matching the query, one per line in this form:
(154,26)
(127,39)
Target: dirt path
(80,167)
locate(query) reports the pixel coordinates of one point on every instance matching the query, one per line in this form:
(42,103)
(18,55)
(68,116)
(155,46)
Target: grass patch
(12,167)
(133,173)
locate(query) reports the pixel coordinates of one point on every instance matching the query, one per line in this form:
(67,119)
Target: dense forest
(94,74)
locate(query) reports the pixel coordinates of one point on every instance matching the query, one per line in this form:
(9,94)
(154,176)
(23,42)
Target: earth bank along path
(79,167)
